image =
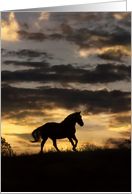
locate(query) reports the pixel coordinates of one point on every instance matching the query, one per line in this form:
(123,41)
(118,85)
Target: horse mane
(69,117)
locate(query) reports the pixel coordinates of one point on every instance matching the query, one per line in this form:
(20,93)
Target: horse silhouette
(65,129)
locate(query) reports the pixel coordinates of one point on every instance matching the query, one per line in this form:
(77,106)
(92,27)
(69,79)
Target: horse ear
(79,112)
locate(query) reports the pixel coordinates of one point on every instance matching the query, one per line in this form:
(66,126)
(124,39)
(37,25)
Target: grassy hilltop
(98,170)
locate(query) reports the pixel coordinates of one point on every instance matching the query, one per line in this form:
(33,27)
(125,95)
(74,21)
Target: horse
(65,129)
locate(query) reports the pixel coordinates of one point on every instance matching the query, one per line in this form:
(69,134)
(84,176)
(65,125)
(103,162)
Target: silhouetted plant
(89,147)
(6,149)
(125,144)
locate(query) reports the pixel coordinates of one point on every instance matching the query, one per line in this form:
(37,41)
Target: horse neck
(69,121)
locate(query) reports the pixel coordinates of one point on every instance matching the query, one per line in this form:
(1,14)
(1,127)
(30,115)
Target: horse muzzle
(82,124)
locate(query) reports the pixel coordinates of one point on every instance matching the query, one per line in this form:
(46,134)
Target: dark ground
(107,170)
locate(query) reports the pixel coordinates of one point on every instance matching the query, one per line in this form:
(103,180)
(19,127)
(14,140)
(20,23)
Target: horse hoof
(74,149)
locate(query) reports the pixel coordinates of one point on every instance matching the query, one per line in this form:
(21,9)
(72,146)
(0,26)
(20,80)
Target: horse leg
(54,144)
(74,137)
(42,144)
(70,139)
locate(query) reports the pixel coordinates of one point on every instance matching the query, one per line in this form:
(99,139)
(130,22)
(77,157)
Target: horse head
(79,119)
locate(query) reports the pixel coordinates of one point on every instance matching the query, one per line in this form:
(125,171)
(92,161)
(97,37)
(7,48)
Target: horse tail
(36,135)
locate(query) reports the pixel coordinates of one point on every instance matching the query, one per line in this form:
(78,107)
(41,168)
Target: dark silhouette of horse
(65,129)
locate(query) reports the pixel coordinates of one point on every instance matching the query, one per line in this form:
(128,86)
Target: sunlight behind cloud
(85,53)
(126,50)
(58,63)
(12,128)
(120,128)
(44,16)
(9,29)
(121,16)
(118,16)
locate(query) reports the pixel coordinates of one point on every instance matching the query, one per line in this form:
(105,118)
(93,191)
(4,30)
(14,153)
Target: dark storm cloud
(37,36)
(63,74)
(126,19)
(76,37)
(22,114)
(2,50)
(82,37)
(87,16)
(60,16)
(112,54)
(119,36)
(15,100)
(24,25)
(105,37)
(66,29)
(27,117)
(55,36)
(26,17)
(37,65)
(84,26)
(29,53)
(67,17)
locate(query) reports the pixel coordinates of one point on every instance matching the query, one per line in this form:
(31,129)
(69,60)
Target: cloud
(87,16)
(9,29)
(26,136)
(24,25)
(2,50)
(25,53)
(76,27)
(27,63)
(123,119)
(55,36)
(112,54)
(27,117)
(119,37)
(44,16)
(126,133)
(123,18)
(37,36)
(83,36)
(86,52)
(23,136)
(121,122)
(106,31)
(14,100)
(64,74)
(66,29)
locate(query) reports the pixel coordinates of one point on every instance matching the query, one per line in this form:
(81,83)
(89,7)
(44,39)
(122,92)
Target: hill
(100,170)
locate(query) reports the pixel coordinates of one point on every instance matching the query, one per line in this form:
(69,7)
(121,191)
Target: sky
(54,64)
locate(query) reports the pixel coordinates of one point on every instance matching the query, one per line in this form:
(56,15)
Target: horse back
(56,130)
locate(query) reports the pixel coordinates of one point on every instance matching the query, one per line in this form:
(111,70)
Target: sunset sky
(54,64)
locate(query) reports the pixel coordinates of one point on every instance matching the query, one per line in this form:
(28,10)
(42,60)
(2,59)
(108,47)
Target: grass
(91,169)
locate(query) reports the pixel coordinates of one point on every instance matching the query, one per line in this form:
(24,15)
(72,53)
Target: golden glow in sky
(54,64)
(8,29)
